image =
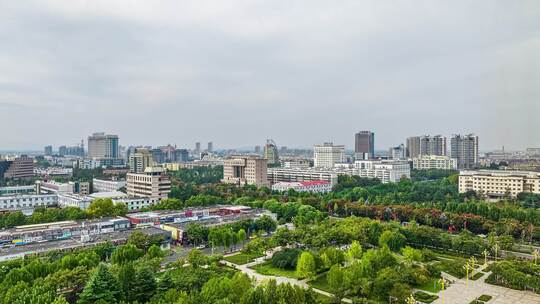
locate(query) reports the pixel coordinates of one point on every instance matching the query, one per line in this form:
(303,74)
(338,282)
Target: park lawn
(425,297)
(454,267)
(242,258)
(266,268)
(431,286)
(477,276)
(485,298)
(320,283)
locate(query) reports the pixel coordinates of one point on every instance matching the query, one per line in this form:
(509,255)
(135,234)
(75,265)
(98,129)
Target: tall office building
(242,170)
(197,148)
(257,149)
(364,145)
(153,183)
(103,146)
(397,152)
(464,148)
(62,150)
(19,168)
(327,155)
(140,160)
(271,152)
(210,146)
(48,150)
(426,145)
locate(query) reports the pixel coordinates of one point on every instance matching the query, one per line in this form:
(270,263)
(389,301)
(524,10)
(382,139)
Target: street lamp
(441,282)
(535,255)
(472,261)
(496,247)
(411,300)
(467,268)
(485,252)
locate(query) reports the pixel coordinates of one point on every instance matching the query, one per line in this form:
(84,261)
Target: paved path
(460,293)
(261,278)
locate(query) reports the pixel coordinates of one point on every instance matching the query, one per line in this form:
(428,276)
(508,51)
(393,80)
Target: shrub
(286,259)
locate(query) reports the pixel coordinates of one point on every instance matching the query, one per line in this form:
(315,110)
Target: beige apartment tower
(245,170)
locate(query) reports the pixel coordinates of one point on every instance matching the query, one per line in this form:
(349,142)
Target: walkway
(460,293)
(261,278)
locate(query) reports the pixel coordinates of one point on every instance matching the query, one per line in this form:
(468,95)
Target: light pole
(496,247)
(467,268)
(441,282)
(472,261)
(535,255)
(485,252)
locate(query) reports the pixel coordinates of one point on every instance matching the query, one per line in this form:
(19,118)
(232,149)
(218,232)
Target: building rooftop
(111,194)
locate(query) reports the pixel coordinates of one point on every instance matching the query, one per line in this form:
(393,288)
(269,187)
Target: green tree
(355,251)
(101,286)
(393,239)
(306,266)
(336,281)
(144,285)
(126,281)
(126,253)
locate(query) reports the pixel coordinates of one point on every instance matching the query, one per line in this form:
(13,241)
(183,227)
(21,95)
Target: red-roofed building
(317,186)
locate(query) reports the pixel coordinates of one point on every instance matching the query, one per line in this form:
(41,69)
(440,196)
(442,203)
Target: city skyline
(348,67)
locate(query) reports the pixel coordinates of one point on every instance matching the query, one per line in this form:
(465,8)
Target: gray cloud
(237,72)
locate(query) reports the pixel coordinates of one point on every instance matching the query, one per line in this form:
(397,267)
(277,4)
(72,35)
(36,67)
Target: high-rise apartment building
(48,150)
(140,160)
(210,147)
(426,145)
(327,155)
(271,152)
(197,148)
(153,183)
(101,145)
(242,170)
(364,145)
(464,148)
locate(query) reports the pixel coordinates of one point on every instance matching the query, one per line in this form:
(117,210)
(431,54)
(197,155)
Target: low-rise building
(13,190)
(73,200)
(427,162)
(26,201)
(102,185)
(496,184)
(319,186)
(53,172)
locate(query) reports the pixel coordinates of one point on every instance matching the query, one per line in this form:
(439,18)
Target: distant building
(257,149)
(15,190)
(82,188)
(495,184)
(140,160)
(427,162)
(384,170)
(271,152)
(426,145)
(154,183)
(197,149)
(296,163)
(103,146)
(464,148)
(319,186)
(210,147)
(276,175)
(242,170)
(327,155)
(102,185)
(19,168)
(397,152)
(48,150)
(364,145)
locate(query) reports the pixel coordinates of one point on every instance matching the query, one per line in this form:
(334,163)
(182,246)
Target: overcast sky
(238,72)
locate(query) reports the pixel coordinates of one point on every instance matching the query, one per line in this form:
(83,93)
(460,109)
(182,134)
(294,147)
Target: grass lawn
(431,286)
(424,297)
(242,258)
(320,283)
(266,268)
(485,298)
(477,276)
